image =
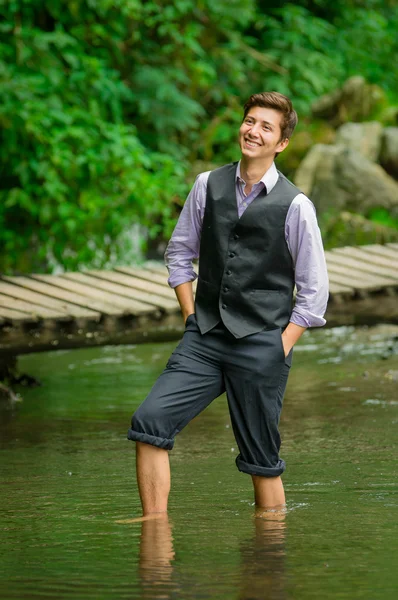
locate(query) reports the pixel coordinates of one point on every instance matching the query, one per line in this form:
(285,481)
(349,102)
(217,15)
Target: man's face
(260,134)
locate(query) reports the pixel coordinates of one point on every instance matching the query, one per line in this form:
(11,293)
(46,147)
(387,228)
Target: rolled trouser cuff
(153,440)
(260,471)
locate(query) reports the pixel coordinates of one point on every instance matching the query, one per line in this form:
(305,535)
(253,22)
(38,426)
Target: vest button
(236,237)
(223,306)
(231,254)
(226,289)
(228,272)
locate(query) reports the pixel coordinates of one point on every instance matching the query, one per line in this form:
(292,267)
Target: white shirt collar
(269,178)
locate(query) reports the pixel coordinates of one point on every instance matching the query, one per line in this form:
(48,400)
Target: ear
(282,145)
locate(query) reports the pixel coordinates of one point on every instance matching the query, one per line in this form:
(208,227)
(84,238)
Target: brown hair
(278,102)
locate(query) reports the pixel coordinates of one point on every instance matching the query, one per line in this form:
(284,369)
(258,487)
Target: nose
(254,129)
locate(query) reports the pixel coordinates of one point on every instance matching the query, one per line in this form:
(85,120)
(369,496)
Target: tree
(107,105)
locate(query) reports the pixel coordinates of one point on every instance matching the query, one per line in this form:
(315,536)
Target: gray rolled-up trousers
(253,371)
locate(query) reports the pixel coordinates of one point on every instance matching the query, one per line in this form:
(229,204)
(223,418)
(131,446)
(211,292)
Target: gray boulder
(389,151)
(365,184)
(337,178)
(316,173)
(365,138)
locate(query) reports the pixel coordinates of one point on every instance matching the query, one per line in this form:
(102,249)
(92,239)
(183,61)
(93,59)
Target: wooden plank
(160,269)
(14,315)
(133,307)
(161,289)
(361,266)
(340,279)
(392,245)
(16,291)
(32,310)
(155,289)
(48,290)
(364,254)
(373,254)
(156,267)
(125,286)
(47,286)
(102,282)
(50,287)
(338,288)
(120,291)
(382,250)
(143,274)
(358,281)
(93,297)
(151,279)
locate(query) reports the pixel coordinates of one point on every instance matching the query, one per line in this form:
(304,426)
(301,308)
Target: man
(256,237)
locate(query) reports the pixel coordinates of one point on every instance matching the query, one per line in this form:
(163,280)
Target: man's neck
(252,171)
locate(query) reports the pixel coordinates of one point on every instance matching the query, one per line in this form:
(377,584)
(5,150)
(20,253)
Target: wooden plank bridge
(130,304)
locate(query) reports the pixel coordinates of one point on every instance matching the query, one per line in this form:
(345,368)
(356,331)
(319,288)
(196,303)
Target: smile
(251,144)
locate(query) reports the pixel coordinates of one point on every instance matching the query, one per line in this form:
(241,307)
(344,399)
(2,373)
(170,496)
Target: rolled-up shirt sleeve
(184,243)
(311,277)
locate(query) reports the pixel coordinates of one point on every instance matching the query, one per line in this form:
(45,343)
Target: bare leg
(153,477)
(268,492)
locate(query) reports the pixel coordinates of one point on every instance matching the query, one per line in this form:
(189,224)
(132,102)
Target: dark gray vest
(246,274)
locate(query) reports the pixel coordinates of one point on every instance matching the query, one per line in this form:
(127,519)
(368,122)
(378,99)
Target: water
(67,479)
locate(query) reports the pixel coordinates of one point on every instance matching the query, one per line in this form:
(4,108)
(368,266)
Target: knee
(148,426)
(152,419)
(143,420)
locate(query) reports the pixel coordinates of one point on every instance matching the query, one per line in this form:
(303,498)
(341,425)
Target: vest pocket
(257,291)
(267,307)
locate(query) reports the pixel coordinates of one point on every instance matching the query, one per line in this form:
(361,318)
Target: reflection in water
(156,556)
(263,559)
(262,571)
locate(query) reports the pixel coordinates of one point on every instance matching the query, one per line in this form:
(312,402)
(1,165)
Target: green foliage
(383,217)
(75,174)
(106,104)
(303,44)
(349,229)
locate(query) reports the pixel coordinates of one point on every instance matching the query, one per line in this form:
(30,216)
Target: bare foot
(273,513)
(150,517)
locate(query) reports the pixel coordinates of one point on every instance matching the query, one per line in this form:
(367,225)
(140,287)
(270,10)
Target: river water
(68,491)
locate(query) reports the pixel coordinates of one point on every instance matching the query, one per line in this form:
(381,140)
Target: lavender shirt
(302,237)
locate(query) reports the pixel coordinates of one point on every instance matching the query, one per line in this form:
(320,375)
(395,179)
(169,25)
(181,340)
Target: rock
(305,174)
(317,170)
(365,138)
(338,178)
(389,151)
(364,184)
(304,139)
(355,101)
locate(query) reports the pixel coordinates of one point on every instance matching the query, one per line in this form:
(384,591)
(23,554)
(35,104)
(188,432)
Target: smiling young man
(257,238)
